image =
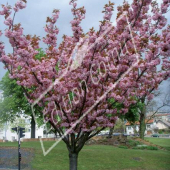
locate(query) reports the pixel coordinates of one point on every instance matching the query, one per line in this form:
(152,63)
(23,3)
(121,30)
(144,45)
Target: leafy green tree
(1,126)
(131,116)
(14,103)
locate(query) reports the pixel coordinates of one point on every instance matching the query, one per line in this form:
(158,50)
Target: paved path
(9,158)
(7,169)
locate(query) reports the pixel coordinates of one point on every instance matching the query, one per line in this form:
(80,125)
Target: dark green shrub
(124,147)
(160,131)
(152,148)
(133,142)
(146,147)
(135,147)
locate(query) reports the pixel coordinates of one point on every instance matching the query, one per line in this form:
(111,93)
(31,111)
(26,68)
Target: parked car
(116,134)
(155,135)
(137,134)
(125,134)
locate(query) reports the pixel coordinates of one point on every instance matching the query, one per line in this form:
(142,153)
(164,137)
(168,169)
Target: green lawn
(161,142)
(98,157)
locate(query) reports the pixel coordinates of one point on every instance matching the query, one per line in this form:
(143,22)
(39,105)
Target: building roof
(158,115)
(164,114)
(137,123)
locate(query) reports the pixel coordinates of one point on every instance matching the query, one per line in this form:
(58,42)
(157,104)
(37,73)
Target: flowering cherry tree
(71,80)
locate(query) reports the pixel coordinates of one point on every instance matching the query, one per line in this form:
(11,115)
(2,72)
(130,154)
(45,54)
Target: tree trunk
(142,127)
(110,133)
(73,157)
(33,127)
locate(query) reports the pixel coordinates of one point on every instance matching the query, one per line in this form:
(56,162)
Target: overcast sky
(34,16)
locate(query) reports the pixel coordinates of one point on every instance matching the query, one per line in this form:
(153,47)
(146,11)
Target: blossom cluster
(108,56)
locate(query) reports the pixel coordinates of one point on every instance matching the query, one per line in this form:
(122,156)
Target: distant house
(162,124)
(159,121)
(131,128)
(165,117)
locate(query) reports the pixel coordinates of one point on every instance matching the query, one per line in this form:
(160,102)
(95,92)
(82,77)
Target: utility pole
(20,131)
(5,130)
(19,149)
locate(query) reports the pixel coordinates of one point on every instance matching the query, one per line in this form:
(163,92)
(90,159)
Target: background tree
(1,126)
(100,62)
(167,97)
(131,116)
(151,106)
(14,103)
(19,122)
(119,126)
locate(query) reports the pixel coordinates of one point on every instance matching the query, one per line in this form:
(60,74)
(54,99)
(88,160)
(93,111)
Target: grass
(124,147)
(161,142)
(98,157)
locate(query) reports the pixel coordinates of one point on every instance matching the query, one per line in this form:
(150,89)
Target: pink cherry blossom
(105,60)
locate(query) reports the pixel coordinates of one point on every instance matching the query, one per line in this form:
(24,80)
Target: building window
(148,126)
(129,127)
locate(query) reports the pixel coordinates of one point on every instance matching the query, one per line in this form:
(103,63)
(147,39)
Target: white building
(163,116)
(159,121)
(7,134)
(162,124)
(131,129)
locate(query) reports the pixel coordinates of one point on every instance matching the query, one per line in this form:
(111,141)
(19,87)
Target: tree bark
(142,127)
(73,158)
(110,132)
(33,127)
